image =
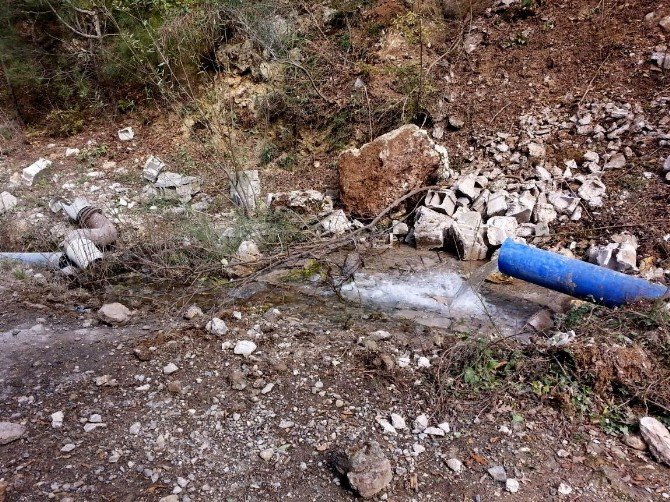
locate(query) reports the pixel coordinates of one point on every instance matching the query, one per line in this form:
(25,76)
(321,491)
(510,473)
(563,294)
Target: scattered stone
(455,465)
(71,152)
(420,423)
(302,202)
(370,471)
(244,348)
(500,228)
(497,204)
(336,223)
(380,172)
(170,368)
(386,426)
(192,312)
(665,23)
(36,171)
(126,134)
(467,232)
(170,498)
(248,252)
(617,161)
(498,473)
(95,418)
(442,201)
(177,186)
(536,151)
(175,387)
(10,432)
(657,437)
(114,313)
(152,168)
(456,122)
(267,454)
(68,448)
(399,228)
(635,442)
(57,419)
(217,327)
(434,431)
(90,427)
(430,228)
(466,187)
(7,202)
(512,485)
(564,489)
(592,191)
(245,189)
(135,428)
(398,421)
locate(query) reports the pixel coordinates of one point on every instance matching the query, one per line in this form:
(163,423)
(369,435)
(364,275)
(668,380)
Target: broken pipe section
(575,278)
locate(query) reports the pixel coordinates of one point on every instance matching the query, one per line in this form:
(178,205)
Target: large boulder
(392,165)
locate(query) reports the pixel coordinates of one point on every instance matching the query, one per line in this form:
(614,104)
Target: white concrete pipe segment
(82,252)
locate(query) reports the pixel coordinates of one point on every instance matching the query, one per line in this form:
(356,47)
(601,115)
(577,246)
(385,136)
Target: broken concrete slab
(466,187)
(175,185)
(382,171)
(564,204)
(35,172)
(442,201)
(336,223)
(430,228)
(152,168)
(302,202)
(125,134)
(467,232)
(499,228)
(592,191)
(497,203)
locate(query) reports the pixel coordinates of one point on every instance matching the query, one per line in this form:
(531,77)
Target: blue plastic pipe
(573,277)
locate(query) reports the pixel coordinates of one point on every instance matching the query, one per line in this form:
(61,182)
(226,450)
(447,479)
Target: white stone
(657,437)
(36,171)
(420,423)
(248,252)
(91,427)
(512,485)
(617,161)
(467,232)
(455,465)
(466,186)
(445,427)
(245,189)
(57,419)
(398,421)
(7,202)
(70,152)
(430,228)
(336,223)
(423,362)
(497,203)
(665,23)
(68,448)
(114,313)
(95,418)
(286,424)
(536,150)
(592,191)
(152,168)
(442,201)
(10,431)
(126,134)
(135,428)
(192,312)
(217,327)
(266,454)
(244,348)
(498,473)
(564,489)
(170,368)
(434,431)
(386,426)
(500,228)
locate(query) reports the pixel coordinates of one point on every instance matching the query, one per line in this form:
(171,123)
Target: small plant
(19,274)
(269,152)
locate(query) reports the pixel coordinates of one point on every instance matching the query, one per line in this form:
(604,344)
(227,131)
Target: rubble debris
(245,189)
(455,465)
(114,313)
(336,223)
(71,152)
(244,348)
(369,470)
(442,201)
(125,134)
(430,228)
(657,437)
(302,202)
(380,172)
(592,191)
(152,168)
(498,473)
(248,252)
(500,228)
(217,327)
(467,232)
(36,171)
(192,312)
(620,255)
(177,186)
(662,59)
(10,432)
(170,368)
(7,202)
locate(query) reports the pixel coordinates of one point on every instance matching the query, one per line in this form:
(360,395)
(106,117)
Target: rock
(617,161)
(545,213)
(125,134)
(152,168)
(177,186)
(430,228)
(536,151)
(90,427)
(336,223)
(10,432)
(420,423)
(382,171)
(442,201)
(434,431)
(114,313)
(7,202)
(135,428)
(665,23)
(399,228)
(71,152)
(397,421)
(192,312)
(498,473)
(245,189)
(244,348)
(456,122)
(170,368)
(248,252)
(662,59)
(564,489)
(386,426)
(466,186)
(592,191)
(68,448)
(512,485)
(635,442)
(57,419)
(455,465)
(301,202)
(36,171)
(170,498)
(564,204)
(217,327)
(370,471)
(497,203)
(500,228)
(267,454)
(666,164)
(657,437)
(467,232)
